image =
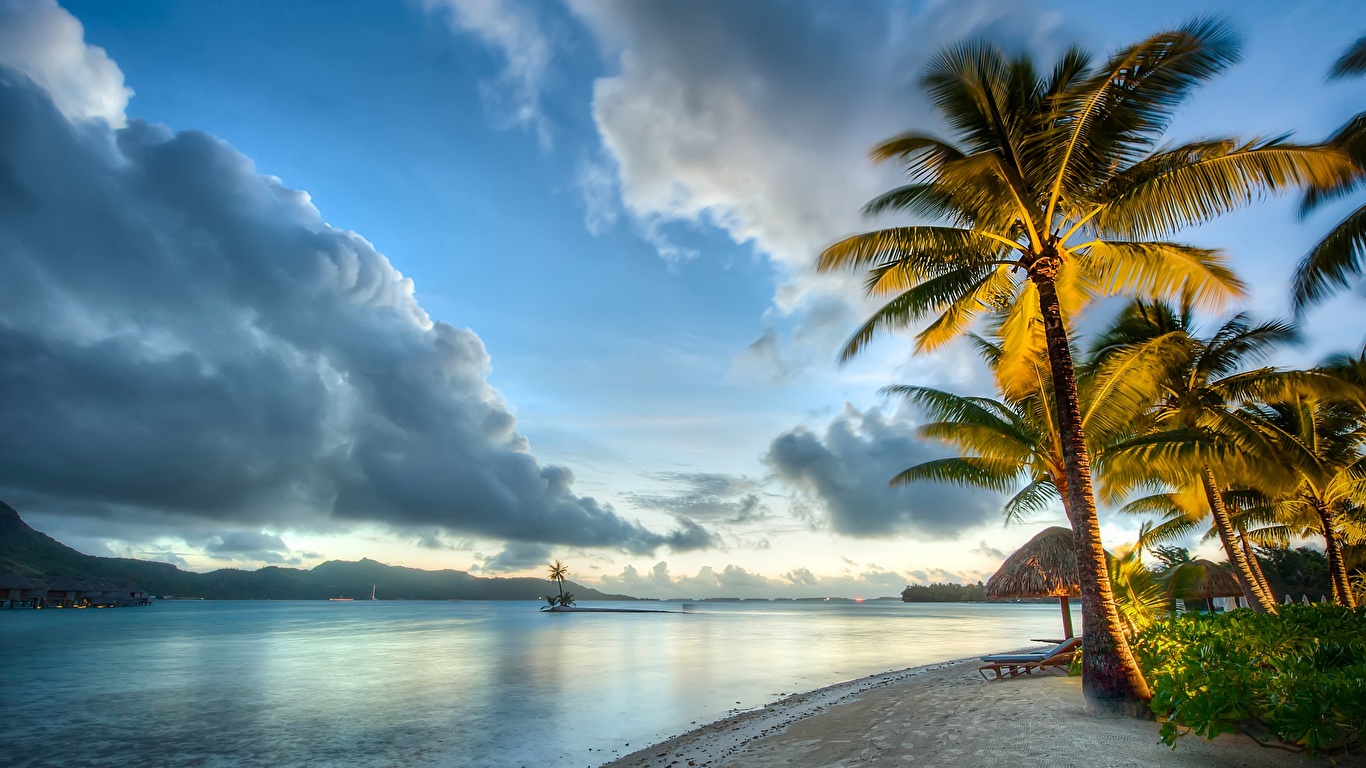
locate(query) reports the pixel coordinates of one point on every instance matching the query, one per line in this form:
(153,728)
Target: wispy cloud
(511,28)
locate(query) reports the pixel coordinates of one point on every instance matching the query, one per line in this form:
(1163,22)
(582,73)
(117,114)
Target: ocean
(498,684)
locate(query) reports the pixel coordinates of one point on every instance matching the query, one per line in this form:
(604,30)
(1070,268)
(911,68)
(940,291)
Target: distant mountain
(34,554)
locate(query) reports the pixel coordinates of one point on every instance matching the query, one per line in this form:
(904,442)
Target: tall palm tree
(558,573)
(1053,192)
(1340,257)
(1202,381)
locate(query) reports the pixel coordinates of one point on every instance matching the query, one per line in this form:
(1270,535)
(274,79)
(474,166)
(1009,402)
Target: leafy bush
(1299,677)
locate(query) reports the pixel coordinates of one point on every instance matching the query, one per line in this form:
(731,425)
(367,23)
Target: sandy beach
(946,715)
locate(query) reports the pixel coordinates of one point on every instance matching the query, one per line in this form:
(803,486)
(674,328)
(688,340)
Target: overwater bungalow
(19,591)
(64,592)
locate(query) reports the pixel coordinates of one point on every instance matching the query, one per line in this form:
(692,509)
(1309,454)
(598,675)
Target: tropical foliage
(1051,193)
(1193,437)
(1298,678)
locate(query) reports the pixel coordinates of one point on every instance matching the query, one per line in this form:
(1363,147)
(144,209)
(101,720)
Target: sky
(476,284)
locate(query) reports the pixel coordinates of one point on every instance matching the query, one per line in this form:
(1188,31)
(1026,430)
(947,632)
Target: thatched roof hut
(1202,580)
(11,580)
(13,586)
(1046,566)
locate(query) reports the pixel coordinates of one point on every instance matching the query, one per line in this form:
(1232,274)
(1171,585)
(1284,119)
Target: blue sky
(621,202)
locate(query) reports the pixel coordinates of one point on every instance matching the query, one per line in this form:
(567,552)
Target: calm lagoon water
(438,683)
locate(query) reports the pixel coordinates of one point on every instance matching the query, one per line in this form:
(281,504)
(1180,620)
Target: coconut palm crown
(1322,442)
(558,573)
(1052,192)
(1199,384)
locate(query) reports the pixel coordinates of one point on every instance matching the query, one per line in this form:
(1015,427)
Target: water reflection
(431,684)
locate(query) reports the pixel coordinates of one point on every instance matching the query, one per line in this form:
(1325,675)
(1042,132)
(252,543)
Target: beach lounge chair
(1012,664)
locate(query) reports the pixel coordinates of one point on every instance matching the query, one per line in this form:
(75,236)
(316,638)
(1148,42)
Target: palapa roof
(66,584)
(1202,579)
(12,580)
(1044,567)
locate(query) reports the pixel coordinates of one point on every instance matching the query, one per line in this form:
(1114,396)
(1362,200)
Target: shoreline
(945,714)
(709,744)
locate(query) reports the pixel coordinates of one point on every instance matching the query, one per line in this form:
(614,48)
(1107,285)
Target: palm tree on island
(558,572)
(1053,193)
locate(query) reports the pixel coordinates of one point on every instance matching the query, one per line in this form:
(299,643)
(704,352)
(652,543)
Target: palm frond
(1332,264)
(1154,270)
(1115,116)
(924,155)
(966,471)
(1035,498)
(923,250)
(928,200)
(1191,185)
(1352,61)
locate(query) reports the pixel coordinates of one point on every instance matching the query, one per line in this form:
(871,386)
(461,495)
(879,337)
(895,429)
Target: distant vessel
(341,599)
(372,591)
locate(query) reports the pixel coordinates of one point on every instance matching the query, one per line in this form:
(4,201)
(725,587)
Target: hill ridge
(32,553)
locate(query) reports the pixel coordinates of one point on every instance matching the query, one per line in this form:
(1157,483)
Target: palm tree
(1321,442)
(1015,445)
(1053,193)
(558,573)
(1341,255)
(1202,380)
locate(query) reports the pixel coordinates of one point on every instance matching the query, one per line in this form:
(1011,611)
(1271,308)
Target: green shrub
(1299,677)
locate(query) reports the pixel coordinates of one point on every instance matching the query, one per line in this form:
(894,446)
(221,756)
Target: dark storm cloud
(845,472)
(186,341)
(709,496)
(237,542)
(515,557)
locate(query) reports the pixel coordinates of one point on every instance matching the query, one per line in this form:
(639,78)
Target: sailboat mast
(372,591)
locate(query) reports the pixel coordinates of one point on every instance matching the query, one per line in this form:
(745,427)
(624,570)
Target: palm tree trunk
(1251,556)
(1111,678)
(1337,568)
(1260,601)
(1256,567)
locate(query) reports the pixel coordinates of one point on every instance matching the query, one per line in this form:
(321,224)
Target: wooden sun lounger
(1012,664)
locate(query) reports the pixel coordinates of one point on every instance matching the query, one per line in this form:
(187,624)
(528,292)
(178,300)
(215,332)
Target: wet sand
(946,715)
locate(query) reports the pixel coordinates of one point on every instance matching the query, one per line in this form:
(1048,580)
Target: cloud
(708,496)
(844,475)
(516,557)
(252,547)
(986,550)
(184,341)
(735,581)
(756,118)
(691,536)
(237,542)
(511,28)
(598,187)
(43,41)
